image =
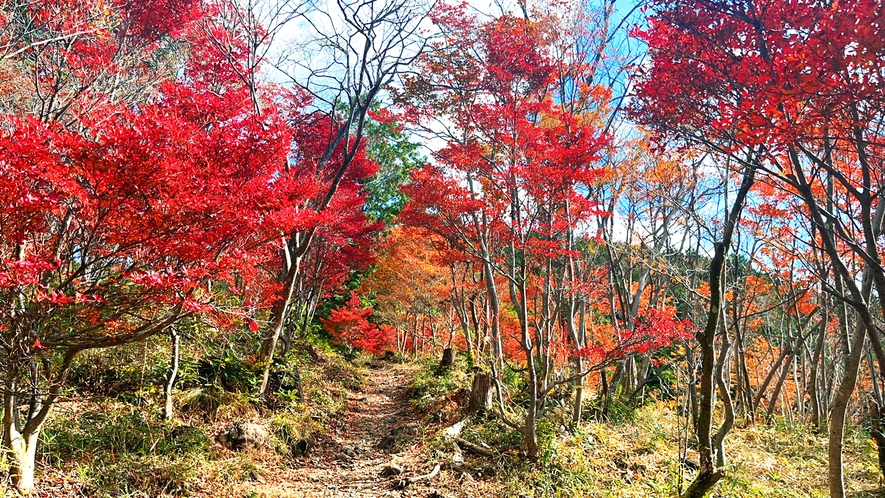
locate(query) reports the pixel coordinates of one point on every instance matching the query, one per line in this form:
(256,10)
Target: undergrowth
(637,452)
(642,458)
(111,444)
(432,386)
(108,438)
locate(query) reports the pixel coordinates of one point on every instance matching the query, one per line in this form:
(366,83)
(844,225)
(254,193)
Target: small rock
(458,459)
(408,429)
(243,435)
(391,470)
(301,448)
(186,432)
(455,430)
(387,442)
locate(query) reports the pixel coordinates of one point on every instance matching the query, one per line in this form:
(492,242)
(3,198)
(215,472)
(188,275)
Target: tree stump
(480,393)
(448,359)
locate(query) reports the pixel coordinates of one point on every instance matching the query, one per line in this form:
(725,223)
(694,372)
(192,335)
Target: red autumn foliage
(349,326)
(126,208)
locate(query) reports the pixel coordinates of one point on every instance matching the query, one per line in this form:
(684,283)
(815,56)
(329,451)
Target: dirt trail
(378,430)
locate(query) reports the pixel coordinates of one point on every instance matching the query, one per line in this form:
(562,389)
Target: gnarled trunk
(838,413)
(21,435)
(23,452)
(711,369)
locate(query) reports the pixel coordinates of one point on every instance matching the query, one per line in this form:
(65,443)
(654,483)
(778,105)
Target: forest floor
(378,445)
(367,418)
(385,424)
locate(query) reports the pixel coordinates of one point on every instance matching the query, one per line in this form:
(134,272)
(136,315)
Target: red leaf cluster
(349,326)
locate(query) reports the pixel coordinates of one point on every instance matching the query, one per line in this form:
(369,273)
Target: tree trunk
(529,431)
(838,413)
(727,404)
(611,388)
(495,314)
(23,450)
(581,339)
(744,390)
(709,473)
(578,402)
(20,437)
(692,387)
(860,298)
(785,370)
(277,320)
(460,307)
(173,373)
(530,436)
(815,384)
(799,387)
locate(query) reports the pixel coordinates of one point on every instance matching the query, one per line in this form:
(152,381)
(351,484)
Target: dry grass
(642,458)
(103,447)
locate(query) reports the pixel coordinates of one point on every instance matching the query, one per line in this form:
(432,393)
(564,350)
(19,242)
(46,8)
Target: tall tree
(121,202)
(354,50)
(796,87)
(510,185)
